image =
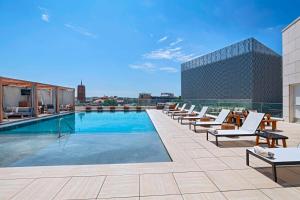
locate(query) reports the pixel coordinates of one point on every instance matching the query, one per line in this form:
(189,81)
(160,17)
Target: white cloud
(144,66)
(176,42)
(45,17)
(150,67)
(44,14)
(274,28)
(168,53)
(80,30)
(163,39)
(168,69)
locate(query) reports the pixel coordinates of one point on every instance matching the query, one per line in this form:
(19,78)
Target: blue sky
(128,46)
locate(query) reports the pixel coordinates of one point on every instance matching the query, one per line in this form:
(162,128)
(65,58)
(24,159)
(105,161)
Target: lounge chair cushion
(207,123)
(199,115)
(219,120)
(252,121)
(230,132)
(222,115)
(10,109)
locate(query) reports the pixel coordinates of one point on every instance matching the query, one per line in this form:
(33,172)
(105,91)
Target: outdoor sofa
(17,111)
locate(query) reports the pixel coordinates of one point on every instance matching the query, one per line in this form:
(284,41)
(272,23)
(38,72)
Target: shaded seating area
(17,112)
(26,99)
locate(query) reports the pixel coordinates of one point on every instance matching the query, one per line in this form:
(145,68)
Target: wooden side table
(238,120)
(268,121)
(272,139)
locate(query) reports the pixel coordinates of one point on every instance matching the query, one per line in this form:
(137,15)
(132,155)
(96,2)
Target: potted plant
(138,108)
(99,108)
(126,108)
(88,108)
(112,108)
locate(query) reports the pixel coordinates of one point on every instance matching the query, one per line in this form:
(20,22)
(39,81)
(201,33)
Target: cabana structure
(26,98)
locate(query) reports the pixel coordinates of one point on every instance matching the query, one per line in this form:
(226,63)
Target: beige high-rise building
(291,71)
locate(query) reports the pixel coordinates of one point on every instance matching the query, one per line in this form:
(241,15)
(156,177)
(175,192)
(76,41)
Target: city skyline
(139,49)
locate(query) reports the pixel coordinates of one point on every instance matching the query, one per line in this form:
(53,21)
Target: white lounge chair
(188,113)
(282,157)
(178,111)
(218,121)
(166,110)
(200,115)
(248,128)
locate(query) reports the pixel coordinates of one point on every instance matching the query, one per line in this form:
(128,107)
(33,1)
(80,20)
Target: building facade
(143,96)
(247,71)
(147,99)
(291,71)
(81,93)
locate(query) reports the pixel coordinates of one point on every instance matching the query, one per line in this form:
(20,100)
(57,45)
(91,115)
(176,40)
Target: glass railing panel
(214,105)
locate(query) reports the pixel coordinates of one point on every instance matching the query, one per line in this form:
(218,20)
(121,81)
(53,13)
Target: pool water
(85,138)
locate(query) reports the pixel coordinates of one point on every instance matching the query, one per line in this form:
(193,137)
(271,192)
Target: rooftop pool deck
(200,170)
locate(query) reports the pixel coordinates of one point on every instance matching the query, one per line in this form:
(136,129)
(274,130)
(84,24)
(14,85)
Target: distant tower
(81,93)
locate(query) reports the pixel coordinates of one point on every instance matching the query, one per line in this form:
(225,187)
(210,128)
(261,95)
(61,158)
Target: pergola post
(57,99)
(73,96)
(1,101)
(35,101)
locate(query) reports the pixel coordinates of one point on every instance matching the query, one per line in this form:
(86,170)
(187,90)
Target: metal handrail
(59,127)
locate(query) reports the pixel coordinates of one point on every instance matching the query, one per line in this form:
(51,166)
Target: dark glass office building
(247,71)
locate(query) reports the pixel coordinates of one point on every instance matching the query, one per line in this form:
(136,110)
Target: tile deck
(200,170)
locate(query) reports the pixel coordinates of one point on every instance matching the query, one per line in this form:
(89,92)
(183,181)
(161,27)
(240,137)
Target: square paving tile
(194,182)
(229,180)
(221,152)
(235,162)
(164,197)
(207,164)
(120,186)
(204,196)
(44,188)
(246,195)
(240,151)
(257,179)
(158,184)
(8,188)
(183,140)
(287,177)
(282,193)
(199,153)
(190,145)
(81,188)
(122,198)
(295,169)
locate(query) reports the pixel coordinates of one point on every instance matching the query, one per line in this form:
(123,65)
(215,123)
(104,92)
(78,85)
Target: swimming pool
(83,138)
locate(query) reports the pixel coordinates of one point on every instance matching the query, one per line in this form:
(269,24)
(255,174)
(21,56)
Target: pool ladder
(59,127)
